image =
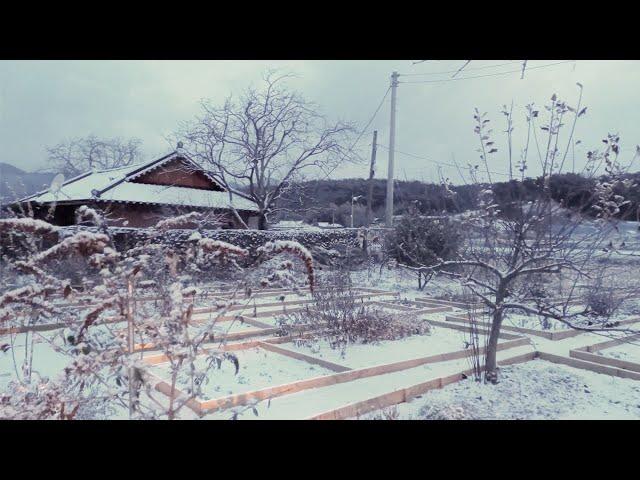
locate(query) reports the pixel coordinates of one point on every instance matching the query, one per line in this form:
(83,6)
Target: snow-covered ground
(46,362)
(441,340)
(629,352)
(258,369)
(536,389)
(533,390)
(404,282)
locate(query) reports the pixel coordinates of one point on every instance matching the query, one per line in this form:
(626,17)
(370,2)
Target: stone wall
(125,238)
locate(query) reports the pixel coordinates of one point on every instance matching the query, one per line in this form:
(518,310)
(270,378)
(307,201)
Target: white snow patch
(533,390)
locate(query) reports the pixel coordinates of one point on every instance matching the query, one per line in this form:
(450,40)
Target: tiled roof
(114,185)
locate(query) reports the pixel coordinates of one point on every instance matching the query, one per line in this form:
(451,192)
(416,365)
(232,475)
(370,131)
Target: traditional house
(141,195)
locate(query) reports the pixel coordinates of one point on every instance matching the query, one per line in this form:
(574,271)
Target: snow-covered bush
(294,249)
(418,240)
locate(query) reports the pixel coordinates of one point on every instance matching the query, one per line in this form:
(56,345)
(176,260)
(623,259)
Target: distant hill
(330,200)
(16,183)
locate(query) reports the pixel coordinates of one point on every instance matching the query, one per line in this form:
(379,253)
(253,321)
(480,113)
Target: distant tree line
(330,200)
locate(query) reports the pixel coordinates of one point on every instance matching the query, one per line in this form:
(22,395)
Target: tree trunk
(491,364)
(262,221)
(365,243)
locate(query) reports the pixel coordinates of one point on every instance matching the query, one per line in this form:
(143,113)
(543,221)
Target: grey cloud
(44,102)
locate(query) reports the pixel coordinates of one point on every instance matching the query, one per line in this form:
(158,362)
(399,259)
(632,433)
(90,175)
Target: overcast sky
(45,102)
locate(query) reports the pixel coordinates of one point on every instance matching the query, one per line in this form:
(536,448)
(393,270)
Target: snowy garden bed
(294,367)
(622,353)
(549,324)
(629,352)
(531,390)
(548,328)
(357,355)
(258,368)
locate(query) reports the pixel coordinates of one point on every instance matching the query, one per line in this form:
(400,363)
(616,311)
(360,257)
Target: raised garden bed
(555,333)
(360,355)
(626,352)
(344,374)
(530,390)
(259,368)
(621,353)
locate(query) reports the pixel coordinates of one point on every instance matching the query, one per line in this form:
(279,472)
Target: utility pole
(392,146)
(372,172)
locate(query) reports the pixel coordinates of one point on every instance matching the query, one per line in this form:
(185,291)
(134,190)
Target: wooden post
(372,173)
(392,146)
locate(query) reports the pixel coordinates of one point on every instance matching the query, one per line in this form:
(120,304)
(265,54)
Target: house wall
(62,215)
(176,173)
(143,216)
(134,215)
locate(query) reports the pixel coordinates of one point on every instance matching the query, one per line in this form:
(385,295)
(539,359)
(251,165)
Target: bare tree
(261,143)
(80,155)
(542,240)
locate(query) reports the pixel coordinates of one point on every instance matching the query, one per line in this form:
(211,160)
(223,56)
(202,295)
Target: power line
(454,71)
(364,130)
(461,68)
(372,118)
(488,74)
(440,163)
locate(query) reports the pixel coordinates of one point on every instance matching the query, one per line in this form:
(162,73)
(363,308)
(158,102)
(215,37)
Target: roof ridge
(105,170)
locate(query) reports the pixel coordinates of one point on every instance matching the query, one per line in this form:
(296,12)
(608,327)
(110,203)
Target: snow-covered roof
(115,185)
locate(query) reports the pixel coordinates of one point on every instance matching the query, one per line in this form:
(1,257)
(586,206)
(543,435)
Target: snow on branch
(85,213)
(26,225)
(220,248)
(93,315)
(27,295)
(294,248)
(84,243)
(179,221)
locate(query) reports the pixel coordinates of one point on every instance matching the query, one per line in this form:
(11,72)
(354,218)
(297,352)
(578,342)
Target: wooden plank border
(197,311)
(229,401)
(591,366)
(553,335)
(305,358)
(448,303)
(405,394)
(588,353)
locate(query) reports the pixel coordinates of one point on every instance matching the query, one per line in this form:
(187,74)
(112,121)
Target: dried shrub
(603,302)
(181,221)
(338,316)
(390,413)
(26,225)
(448,412)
